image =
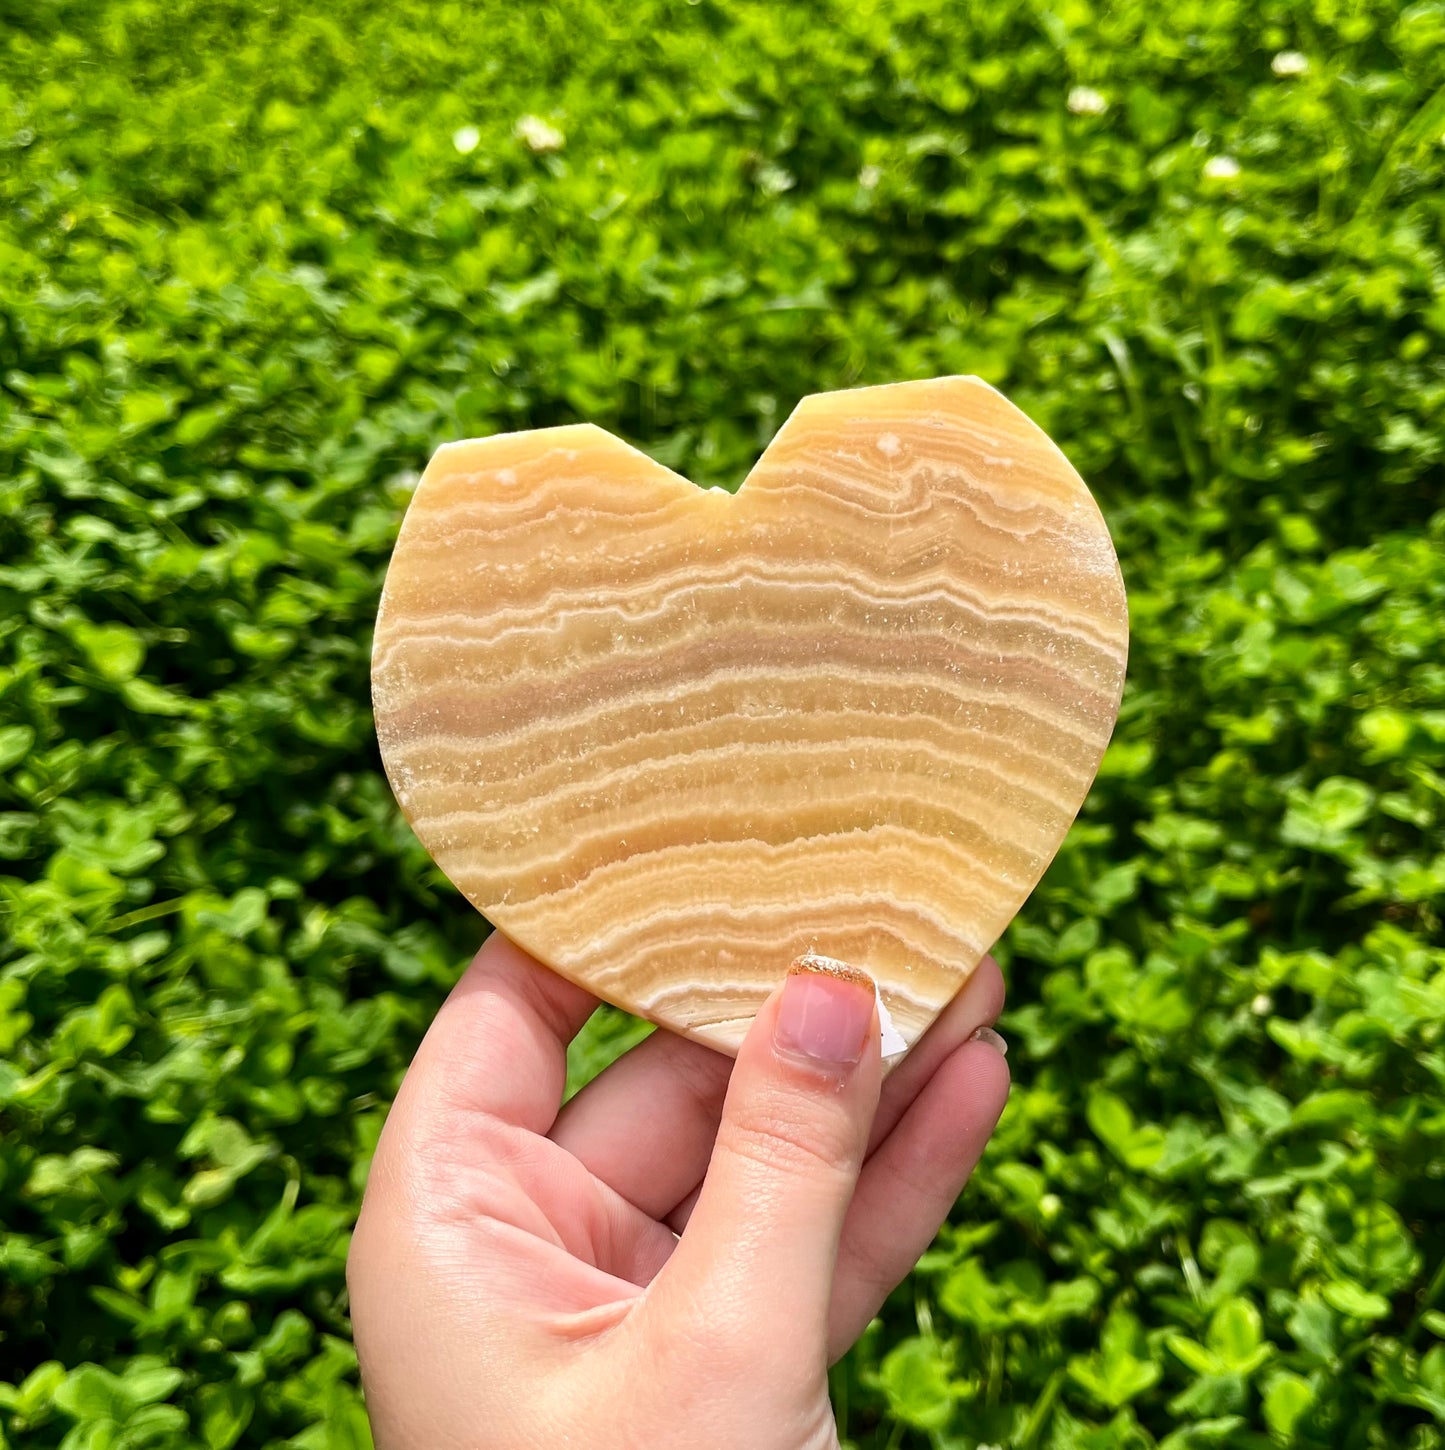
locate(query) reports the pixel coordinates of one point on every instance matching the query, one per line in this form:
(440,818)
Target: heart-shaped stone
(669,739)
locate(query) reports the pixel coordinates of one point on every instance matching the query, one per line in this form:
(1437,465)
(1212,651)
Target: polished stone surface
(670,739)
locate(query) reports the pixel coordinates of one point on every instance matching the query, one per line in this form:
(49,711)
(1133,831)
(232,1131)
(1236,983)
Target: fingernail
(825,1014)
(994,1040)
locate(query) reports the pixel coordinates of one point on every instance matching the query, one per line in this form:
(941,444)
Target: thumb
(761,1245)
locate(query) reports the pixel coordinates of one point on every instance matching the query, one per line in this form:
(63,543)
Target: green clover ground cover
(256,260)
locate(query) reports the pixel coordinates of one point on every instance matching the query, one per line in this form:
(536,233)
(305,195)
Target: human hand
(517,1277)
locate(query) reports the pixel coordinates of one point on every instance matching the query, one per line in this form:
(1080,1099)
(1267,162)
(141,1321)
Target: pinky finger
(912,1181)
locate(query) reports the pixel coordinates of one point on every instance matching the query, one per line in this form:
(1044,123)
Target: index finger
(499,1044)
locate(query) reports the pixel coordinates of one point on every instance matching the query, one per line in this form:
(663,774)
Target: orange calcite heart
(669,739)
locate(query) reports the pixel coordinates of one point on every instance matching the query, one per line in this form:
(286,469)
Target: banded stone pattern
(670,739)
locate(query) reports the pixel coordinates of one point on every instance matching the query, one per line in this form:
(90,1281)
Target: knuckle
(791,1143)
(701,1074)
(435,1169)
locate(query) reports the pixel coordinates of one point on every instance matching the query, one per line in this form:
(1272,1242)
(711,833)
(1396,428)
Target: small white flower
(869,177)
(466,139)
(1221,168)
(537,135)
(1086,101)
(1262,1005)
(1290,63)
(775,180)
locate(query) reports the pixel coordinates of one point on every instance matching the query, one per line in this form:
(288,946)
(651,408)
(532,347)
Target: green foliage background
(258,259)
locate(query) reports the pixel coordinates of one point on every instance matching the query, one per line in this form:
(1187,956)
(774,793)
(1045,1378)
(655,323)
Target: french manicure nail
(825,1014)
(994,1039)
